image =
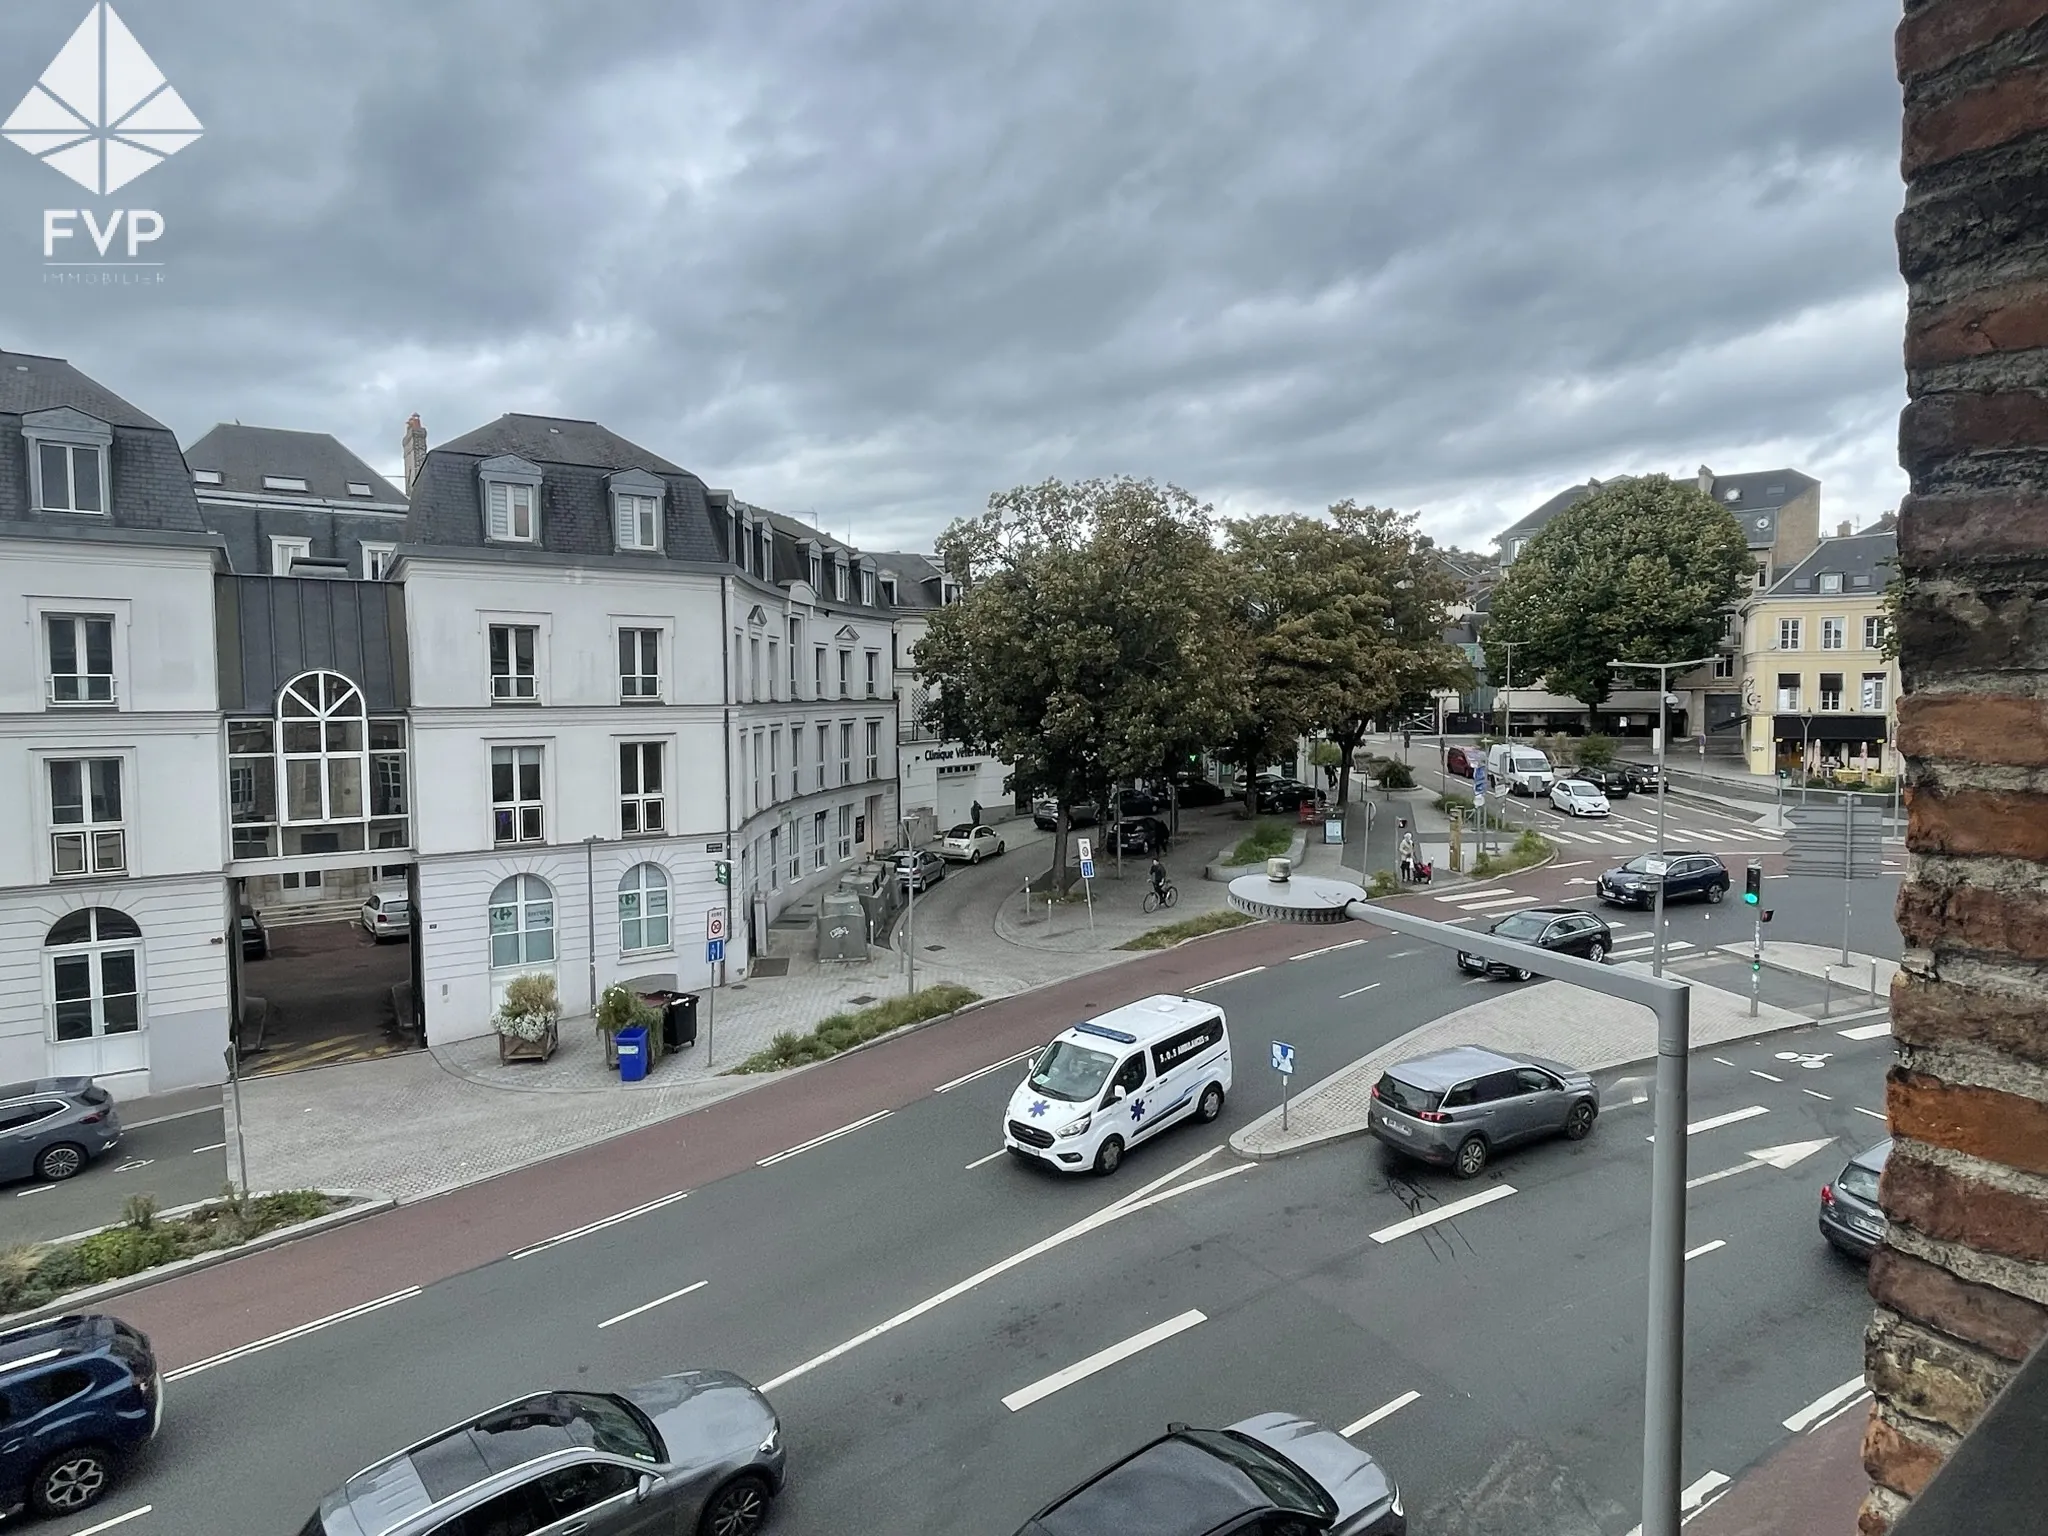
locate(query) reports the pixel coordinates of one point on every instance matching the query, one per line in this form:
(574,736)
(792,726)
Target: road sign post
(1088,880)
(1283,1063)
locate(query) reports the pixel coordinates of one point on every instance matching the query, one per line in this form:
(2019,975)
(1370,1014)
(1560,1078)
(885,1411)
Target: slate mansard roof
(1863,560)
(576,460)
(244,457)
(149,488)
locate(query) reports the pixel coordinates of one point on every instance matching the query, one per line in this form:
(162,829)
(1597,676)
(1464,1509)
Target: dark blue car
(78,1395)
(1688,874)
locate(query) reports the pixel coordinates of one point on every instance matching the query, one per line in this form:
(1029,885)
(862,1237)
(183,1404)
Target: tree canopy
(1638,571)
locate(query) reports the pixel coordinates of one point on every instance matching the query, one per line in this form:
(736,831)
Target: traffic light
(1753,884)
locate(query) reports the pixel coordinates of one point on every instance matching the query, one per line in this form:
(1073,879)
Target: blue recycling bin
(632,1054)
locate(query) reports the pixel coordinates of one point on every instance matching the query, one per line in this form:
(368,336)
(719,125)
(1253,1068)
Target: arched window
(95,974)
(522,922)
(322,737)
(643,909)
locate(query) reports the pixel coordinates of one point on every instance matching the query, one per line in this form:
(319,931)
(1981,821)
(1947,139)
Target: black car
(1611,782)
(1688,873)
(1641,777)
(1273,796)
(1272,1475)
(255,937)
(1135,802)
(80,1395)
(1563,930)
(1195,790)
(1045,814)
(1850,1217)
(1141,834)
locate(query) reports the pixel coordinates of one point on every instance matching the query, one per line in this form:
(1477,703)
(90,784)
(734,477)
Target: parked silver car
(1459,1106)
(52,1127)
(700,1451)
(919,870)
(1850,1216)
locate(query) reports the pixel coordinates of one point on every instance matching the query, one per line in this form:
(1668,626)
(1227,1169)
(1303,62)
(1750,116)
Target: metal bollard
(1873,981)
(1827,990)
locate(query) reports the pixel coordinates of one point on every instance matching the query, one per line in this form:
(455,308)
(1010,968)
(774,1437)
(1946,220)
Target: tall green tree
(1092,640)
(1639,571)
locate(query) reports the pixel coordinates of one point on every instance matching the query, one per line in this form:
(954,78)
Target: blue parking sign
(1478,775)
(714,951)
(1283,1058)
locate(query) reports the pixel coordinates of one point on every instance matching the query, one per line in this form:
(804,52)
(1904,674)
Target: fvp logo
(102,114)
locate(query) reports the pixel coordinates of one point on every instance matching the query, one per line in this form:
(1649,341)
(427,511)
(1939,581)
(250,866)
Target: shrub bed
(34,1273)
(1268,840)
(1186,928)
(843,1031)
(1529,848)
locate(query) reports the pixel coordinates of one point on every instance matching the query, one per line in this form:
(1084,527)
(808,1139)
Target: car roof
(45,1087)
(1142,1022)
(1873,1158)
(1171,1487)
(1546,912)
(1449,1067)
(73,1334)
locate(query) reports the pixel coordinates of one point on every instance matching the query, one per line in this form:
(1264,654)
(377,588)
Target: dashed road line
(1218,981)
(597,1226)
(1704,1249)
(1767,1077)
(819,1141)
(1360,991)
(1816,1093)
(1715,1122)
(108,1525)
(243,1350)
(211,1146)
(1102,1360)
(1874,1114)
(1329,949)
(980,1072)
(1443,1213)
(999,1151)
(658,1301)
(1385,1410)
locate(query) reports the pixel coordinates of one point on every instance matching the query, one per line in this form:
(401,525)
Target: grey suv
(1458,1107)
(697,1451)
(53,1127)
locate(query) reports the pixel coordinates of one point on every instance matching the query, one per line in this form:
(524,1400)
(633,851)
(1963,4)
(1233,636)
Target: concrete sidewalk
(1551,1019)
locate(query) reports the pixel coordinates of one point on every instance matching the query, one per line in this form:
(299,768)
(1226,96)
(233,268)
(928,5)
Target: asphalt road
(1519,1324)
(178,1161)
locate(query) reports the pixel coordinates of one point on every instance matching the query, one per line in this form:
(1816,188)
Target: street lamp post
(1805,751)
(1663,669)
(1282,896)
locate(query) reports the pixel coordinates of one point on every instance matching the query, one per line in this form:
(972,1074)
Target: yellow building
(1816,684)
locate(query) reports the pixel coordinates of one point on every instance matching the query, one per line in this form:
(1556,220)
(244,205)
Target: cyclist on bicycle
(1158,878)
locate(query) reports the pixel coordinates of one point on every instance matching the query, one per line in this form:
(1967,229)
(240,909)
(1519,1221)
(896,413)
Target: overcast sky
(870,260)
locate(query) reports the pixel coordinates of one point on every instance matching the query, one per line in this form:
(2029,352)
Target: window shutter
(628,533)
(500,496)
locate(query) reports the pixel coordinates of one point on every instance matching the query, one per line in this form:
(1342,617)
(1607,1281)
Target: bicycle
(1165,896)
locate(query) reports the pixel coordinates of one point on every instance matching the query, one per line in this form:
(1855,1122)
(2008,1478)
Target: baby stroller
(1422,868)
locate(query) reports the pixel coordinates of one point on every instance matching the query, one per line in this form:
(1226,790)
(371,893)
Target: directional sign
(714,951)
(1837,840)
(1283,1058)
(714,925)
(1478,775)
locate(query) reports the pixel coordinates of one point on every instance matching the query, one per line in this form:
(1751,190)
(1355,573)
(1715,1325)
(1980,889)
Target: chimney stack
(415,445)
(1706,481)
(1843,531)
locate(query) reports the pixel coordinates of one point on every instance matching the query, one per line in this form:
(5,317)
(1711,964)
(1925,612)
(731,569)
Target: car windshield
(602,1423)
(1858,1181)
(1072,1072)
(1406,1097)
(1523,925)
(1277,1478)
(964,830)
(1640,864)
(1530,762)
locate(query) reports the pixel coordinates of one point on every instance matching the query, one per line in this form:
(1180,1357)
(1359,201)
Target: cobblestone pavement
(1552,1018)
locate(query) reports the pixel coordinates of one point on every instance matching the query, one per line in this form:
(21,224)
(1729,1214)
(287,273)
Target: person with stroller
(1407,855)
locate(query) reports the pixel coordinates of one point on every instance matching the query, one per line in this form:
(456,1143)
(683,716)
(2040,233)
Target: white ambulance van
(1109,1083)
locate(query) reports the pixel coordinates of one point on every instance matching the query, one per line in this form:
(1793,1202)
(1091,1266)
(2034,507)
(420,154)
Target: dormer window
(1831,581)
(283,483)
(67,455)
(839,578)
(949,592)
(867,587)
(511,494)
(817,570)
(889,590)
(636,510)
(767,572)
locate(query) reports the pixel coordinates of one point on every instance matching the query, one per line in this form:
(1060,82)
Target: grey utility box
(842,927)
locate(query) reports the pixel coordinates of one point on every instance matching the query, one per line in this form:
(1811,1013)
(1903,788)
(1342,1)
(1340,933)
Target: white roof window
(284,483)
(358,488)
(206,477)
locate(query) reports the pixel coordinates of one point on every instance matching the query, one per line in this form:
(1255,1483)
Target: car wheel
(1520,974)
(1109,1155)
(738,1509)
(999,845)
(1579,1121)
(1471,1160)
(71,1480)
(974,857)
(60,1162)
(1715,893)
(1596,952)
(1212,1103)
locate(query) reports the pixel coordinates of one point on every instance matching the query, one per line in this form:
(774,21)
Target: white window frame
(874,674)
(90,845)
(333,765)
(643,898)
(519,810)
(818,675)
(824,749)
(1873,632)
(1724,666)
(81,683)
(1834,634)
(754,748)
(285,483)
(846,751)
(531,901)
(872,743)
(95,951)
(1822,693)
(38,445)
(1790,633)
(845,833)
(643,811)
(520,509)
(867,587)
(1872,692)
(818,835)
(817,572)
(774,669)
(845,673)
(796,760)
(637,685)
(753,668)
(283,551)
(636,521)
(1788,698)
(1830,582)
(505,686)
(774,763)
(377,561)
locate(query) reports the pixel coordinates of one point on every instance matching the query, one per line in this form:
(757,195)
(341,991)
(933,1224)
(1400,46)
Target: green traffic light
(1750,897)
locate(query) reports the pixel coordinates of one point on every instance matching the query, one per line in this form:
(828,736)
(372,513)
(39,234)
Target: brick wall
(1962,1283)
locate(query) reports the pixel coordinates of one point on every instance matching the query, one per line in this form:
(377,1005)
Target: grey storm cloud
(876,261)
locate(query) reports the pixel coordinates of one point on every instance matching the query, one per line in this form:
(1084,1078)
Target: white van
(1524,770)
(1111,1082)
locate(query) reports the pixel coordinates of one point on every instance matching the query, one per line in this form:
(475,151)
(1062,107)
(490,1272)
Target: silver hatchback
(1457,1107)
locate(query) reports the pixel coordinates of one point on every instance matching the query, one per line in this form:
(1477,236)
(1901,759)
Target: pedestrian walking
(1407,855)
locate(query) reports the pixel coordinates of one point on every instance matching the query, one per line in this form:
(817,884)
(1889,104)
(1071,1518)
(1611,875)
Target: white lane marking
(135,1163)
(1499,890)
(1499,901)
(1714,1123)
(1874,1114)
(989,1159)
(1453,922)
(1704,1248)
(1328,949)
(40,1189)
(1753,1072)
(1443,1213)
(994,1066)
(658,1301)
(1867,1031)
(1855,1401)
(1102,1360)
(1385,1410)
(1816,1093)
(1724,1061)
(1825,1404)
(1218,981)
(1696,1496)
(818,1141)
(242,1350)
(212,1146)
(108,1525)
(1117,1209)
(1610,837)
(1366,988)
(599,1225)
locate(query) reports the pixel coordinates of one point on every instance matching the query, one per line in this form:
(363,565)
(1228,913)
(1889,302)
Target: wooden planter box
(512,1048)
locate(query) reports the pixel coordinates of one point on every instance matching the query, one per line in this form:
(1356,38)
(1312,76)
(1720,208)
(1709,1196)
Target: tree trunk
(1059,848)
